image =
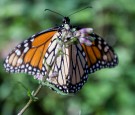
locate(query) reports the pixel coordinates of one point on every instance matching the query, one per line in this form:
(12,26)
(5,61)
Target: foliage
(107,92)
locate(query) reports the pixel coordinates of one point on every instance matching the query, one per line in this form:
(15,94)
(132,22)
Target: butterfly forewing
(28,56)
(99,54)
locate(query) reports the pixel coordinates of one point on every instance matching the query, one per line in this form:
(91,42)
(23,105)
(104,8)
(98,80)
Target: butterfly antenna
(79,10)
(54,12)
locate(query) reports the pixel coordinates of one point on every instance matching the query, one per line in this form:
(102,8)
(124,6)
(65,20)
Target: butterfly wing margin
(27,57)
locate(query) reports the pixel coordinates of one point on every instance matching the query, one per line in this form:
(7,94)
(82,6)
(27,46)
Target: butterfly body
(65,54)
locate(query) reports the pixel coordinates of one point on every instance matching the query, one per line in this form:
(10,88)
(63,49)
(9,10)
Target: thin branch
(30,101)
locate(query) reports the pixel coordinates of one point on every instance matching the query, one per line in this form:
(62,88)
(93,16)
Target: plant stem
(30,101)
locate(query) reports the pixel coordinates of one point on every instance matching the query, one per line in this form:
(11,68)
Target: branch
(30,101)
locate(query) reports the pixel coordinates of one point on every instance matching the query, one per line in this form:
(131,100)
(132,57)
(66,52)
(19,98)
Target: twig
(30,101)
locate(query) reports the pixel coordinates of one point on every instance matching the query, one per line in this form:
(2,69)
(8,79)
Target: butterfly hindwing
(69,71)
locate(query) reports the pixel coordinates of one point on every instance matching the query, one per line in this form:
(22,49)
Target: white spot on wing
(26,49)
(25,41)
(18,52)
(25,45)
(30,68)
(22,66)
(106,48)
(32,40)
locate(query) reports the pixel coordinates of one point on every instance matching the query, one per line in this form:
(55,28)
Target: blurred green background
(107,92)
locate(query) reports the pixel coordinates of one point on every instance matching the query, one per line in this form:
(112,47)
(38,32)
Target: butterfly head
(66,20)
(66,23)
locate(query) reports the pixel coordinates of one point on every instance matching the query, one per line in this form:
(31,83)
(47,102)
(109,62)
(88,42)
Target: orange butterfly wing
(28,56)
(99,54)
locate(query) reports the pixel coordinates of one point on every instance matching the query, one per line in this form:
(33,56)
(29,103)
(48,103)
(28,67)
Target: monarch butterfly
(64,54)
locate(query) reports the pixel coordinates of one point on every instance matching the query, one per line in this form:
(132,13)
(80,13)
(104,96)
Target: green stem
(30,101)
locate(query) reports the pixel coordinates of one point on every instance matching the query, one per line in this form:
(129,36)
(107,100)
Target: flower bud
(38,77)
(82,40)
(86,30)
